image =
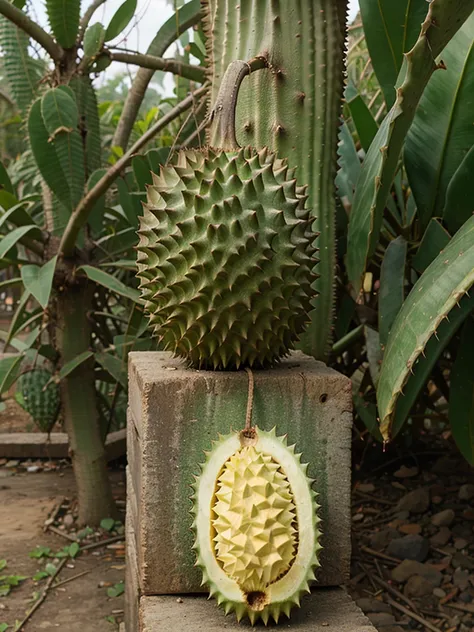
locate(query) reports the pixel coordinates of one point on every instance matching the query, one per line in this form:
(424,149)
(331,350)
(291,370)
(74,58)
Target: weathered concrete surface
(326,610)
(176,412)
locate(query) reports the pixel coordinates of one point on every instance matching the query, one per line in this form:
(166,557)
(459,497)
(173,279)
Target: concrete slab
(325,610)
(176,412)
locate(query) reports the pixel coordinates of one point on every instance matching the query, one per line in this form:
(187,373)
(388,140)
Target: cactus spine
(293,108)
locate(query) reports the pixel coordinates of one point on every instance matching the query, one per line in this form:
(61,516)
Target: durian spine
(293,108)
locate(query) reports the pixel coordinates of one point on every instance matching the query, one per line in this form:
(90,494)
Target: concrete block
(176,412)
(325,610)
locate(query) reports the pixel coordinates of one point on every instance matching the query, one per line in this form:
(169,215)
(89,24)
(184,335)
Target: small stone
(403,515)
(33,468)
(410,529)
(179,600)
(461,578)
(381,619)
(366,488)
(466,492)
(441,538)
(462,561)
(12,463)
(417,501)
(460,544)
(68,520)
(436,500)
(368,604)
(406,472)
(410,547)
(408,568)
(465,597)
(358,517)
(418,586)
(380,539)
(439,593)
(443,518)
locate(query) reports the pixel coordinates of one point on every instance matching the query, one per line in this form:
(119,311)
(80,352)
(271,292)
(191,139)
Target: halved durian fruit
(256,525)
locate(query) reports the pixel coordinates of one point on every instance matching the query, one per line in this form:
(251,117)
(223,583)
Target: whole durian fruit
(256,525)
(225,258)
(39,395)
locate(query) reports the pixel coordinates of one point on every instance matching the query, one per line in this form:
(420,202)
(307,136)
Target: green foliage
(120,19)
(409,262)
(22,71)
(94,38)
(64,16)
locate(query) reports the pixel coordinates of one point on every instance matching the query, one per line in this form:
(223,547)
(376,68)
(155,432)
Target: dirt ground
(81,605)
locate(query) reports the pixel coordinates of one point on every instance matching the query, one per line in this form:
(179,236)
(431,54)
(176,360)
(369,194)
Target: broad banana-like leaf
(392,286)
(391,28)
(442,131)
(461,394)
(459,199)
(64,16)
(444,19)
(364,122)
(436,306)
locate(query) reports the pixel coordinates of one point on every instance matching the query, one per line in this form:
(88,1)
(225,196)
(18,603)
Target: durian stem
(248,416)
(222,116)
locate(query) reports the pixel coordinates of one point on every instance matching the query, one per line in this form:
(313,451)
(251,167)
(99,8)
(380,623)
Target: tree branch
(181,21)
(195,73)
(81,212)
(91,9)
(31,28)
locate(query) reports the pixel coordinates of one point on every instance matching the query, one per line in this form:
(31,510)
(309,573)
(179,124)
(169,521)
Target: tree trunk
(81,417)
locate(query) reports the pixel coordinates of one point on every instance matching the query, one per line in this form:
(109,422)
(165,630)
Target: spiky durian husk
(225,258)
(40,397)
(256,525)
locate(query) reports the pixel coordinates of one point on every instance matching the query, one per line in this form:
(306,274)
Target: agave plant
(409,246)
(68,220)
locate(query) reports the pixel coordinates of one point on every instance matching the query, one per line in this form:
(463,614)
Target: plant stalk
(81,418)
(176,67)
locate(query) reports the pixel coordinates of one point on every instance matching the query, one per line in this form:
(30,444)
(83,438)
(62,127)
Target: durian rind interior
(293,535)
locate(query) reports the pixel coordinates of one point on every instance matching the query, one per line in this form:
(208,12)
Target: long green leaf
(364,122)
(61,117)
(64,16)
(392,286)
(70,366)
(114,366)
(432,303)
(349,164)
(442,131)
(88,111)
(17,319)
(391,28)
(9,369)
(39,280)
(381,162)
(111,283)
(46,158)
(434,240)
(459,199)
(461,395)
(120,19)
(5,182)
(13,238)
(21,70)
